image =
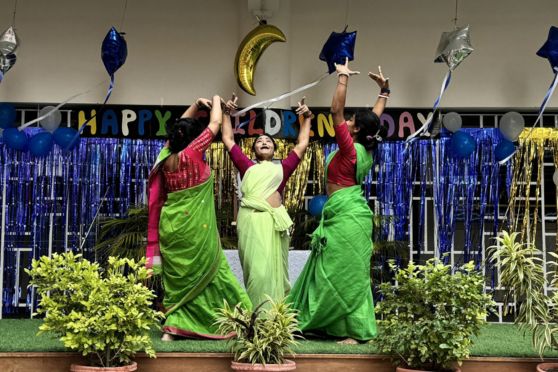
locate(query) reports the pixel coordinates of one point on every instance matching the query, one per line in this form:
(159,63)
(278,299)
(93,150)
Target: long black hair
(370,129)
(182,132)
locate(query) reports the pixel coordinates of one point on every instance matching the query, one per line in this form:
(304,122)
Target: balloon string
(445,84)
(14,15)
(52,111)
(455,17)
(123,15)
(282,96)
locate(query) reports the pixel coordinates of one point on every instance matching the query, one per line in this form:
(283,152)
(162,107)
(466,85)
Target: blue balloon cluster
(316,205)
(338,47)
(462,144)
(7,115)
(114,51)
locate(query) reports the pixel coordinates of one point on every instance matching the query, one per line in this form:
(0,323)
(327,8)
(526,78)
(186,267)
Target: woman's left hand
(303,110)
(379,78)
(230,105)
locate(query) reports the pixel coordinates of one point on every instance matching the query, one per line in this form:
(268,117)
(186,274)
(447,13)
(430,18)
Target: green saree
(196,274)
(333,293)
(263,239)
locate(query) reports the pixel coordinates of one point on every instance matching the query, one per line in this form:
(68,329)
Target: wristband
(385,90)
(383,96)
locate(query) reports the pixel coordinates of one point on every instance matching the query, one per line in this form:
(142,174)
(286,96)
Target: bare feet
(348,341)
(167,337)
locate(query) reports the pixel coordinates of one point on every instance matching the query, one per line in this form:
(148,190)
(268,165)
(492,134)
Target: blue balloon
(67,138)
(504,150)
(114,51)
(15,139)
(337,48)
(316,205)
(7,115)
(550,48)
(41,144)
(462,144)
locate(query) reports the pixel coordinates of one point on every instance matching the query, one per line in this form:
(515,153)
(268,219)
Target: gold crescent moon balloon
(249,52)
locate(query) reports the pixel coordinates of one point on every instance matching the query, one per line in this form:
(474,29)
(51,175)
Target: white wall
(179,50)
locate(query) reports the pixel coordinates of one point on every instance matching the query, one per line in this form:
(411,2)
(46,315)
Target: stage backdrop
(423,198)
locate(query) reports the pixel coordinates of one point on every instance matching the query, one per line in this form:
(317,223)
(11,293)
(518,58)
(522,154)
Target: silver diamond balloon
(7,62)
(8,41)
(454,47)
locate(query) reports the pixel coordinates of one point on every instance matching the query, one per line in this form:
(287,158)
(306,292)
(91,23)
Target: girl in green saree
(183,240)
(333,294)
(263,221)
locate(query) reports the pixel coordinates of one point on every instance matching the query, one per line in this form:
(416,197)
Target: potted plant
(521,273)
(430,314)
(263,337)
(106,316)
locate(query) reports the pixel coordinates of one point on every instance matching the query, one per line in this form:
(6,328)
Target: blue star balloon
(114,51)
(337,48)
(550,48)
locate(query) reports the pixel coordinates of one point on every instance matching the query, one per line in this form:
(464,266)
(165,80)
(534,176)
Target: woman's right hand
(204,102)
(230,105)
(344,69)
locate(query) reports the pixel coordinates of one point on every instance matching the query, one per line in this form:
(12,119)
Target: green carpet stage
(499,347)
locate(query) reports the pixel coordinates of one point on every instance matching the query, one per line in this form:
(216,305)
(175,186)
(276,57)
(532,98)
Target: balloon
(462,144)
(452,121)
(249,52)
(7,62)
(114,51)
(316,205)
(15,139)
(67,138)
(8,41)
(549,50)
(7,115)
(555,177)
(454,47)
(51,122)
(511,125)
(41,144)
(337,48)
(504,150)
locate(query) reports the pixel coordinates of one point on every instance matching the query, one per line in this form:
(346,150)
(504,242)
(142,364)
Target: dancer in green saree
(333,293)
(263,221)
(183,240)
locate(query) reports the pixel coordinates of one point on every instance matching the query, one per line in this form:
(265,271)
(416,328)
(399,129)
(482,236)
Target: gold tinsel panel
(295,189)
(528,159)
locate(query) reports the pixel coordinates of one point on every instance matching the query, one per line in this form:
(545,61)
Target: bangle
(343,74)
(385,90)
(341,83)
(383,96)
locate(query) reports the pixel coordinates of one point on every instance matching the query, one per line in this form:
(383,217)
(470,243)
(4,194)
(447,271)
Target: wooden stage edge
(219,362)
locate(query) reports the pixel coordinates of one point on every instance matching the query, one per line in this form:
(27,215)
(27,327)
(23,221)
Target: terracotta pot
(401,369)
(543,367)
(78,368)
(289,365)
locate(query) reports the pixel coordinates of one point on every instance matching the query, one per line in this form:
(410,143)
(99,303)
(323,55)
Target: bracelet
(341,83)
(385,90)
(343,74)
(383,96)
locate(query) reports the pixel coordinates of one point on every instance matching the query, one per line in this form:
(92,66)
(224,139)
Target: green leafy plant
(106,316)
(264,335)
(521,273)
(124,236)
(430,314)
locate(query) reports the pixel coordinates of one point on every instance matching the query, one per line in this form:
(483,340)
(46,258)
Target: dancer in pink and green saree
(183,240)
(263,221)
(333,294)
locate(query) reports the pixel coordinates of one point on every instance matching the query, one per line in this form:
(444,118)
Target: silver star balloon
(7,62)
(454,47)
(8,41)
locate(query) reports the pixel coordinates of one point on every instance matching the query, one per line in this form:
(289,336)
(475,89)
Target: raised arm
(194,107)
(227,131)
(383,83)
(216,115)
(304,132)
(338,103)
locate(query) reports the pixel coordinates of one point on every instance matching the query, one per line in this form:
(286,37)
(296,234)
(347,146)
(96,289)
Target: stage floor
(499,347)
